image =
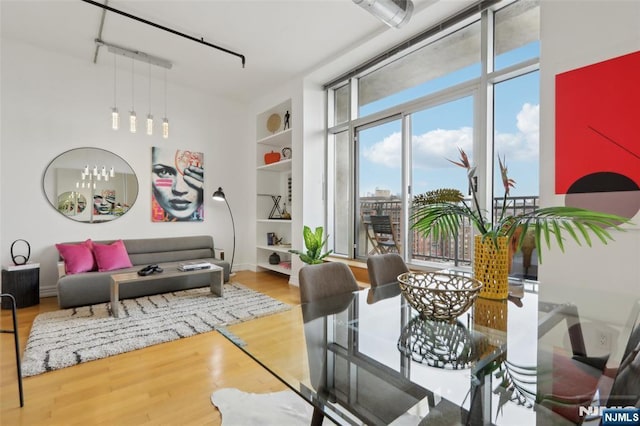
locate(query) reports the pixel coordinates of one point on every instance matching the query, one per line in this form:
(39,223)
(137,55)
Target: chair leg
(16,344)
(317,418)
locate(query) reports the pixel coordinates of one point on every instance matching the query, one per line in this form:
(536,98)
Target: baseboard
(50,291)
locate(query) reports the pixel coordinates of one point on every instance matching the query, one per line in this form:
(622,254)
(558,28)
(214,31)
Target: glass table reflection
(368,358)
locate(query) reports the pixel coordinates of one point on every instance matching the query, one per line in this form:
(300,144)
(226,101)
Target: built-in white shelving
(273,184)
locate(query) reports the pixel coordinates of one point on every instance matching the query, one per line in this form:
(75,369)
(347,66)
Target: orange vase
(271,157)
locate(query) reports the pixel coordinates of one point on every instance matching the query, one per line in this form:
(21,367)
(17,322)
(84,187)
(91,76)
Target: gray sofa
(89,288)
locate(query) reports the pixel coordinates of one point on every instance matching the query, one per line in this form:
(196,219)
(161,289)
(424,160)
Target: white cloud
(387,152)
(523,145)
(432,149)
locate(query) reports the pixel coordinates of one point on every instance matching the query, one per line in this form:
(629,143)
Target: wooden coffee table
(217,281)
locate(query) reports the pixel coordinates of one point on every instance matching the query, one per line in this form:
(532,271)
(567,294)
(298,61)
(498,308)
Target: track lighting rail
(170,30)
(135,54)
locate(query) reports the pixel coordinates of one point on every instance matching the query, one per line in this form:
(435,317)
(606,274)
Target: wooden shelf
(287,221)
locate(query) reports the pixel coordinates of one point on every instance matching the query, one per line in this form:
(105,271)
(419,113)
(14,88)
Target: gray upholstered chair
(325,280)
(385,268)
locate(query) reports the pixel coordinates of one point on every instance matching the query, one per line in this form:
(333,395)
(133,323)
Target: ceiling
(280,39)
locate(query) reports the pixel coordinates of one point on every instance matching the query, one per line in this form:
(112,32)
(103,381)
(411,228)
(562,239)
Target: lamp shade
(219,195)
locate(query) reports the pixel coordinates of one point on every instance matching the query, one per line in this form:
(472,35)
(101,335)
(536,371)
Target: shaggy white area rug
(72,336)
(262,409)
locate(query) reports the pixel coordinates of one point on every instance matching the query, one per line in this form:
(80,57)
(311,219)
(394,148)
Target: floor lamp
(219,196)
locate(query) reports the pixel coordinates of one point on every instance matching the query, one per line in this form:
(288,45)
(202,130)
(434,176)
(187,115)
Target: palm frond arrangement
(441,213)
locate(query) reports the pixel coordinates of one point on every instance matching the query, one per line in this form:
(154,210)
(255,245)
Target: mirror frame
(50,191)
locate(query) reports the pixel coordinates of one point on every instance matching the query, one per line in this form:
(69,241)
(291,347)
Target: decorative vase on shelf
(274,259)
(271,157)
(491,267)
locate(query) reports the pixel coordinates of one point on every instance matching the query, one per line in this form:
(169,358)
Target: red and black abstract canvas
(597,136)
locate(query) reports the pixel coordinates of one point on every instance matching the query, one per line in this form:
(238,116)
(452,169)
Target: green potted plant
(440,213)
(314,243)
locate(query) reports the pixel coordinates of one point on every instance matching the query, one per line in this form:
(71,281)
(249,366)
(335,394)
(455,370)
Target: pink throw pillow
(77,257)
(112,256)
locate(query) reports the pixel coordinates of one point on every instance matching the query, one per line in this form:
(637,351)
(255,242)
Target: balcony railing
(456,251)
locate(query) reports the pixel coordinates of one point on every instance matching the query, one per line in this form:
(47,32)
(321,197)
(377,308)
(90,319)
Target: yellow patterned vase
(491,267)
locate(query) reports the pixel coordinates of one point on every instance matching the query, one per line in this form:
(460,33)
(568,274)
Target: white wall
(52,103)
(575,34)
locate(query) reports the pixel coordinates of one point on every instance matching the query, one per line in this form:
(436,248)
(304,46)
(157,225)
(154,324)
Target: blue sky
(439,131)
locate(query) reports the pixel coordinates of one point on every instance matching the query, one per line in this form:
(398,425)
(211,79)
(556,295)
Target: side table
(23,283)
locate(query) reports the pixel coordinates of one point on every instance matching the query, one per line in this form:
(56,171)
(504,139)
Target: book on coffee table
(193,266)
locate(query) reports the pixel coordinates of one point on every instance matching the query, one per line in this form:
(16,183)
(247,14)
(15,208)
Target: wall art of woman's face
(177,178)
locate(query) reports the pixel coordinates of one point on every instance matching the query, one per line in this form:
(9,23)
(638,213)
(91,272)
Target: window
(416,108)
(516,136)
(341,102)
(517,35)
(379,168)
(440,64)
(437,133)
(341,181)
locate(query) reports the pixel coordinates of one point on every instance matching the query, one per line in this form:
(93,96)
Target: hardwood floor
(168,384)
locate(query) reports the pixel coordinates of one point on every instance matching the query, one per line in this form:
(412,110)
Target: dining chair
(562,386)
(325,280)
(328,281)
(385,268)
(576,380)
(625,390)
(371,245)
(384,234)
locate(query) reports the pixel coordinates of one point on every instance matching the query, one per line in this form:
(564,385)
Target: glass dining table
(368,358)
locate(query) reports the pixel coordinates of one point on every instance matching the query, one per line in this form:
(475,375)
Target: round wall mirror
(90,185)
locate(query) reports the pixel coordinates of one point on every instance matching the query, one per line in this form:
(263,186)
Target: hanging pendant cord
(115,104)
(132,97)
(149,112)
(172,31)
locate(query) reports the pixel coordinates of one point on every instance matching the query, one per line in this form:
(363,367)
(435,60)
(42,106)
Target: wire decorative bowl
(437,295)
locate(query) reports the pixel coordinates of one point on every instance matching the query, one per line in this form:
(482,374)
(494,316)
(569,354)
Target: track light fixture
(132,114)
(115,117)
(150,60)
(149,116)
(394,13)
(165,120)
(199,40)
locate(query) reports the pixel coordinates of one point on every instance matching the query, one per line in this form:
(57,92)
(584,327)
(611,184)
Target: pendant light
(132,115)
(149,116)
(115,117)
(165,120)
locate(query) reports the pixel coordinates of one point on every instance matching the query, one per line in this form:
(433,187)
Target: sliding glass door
(379,181)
